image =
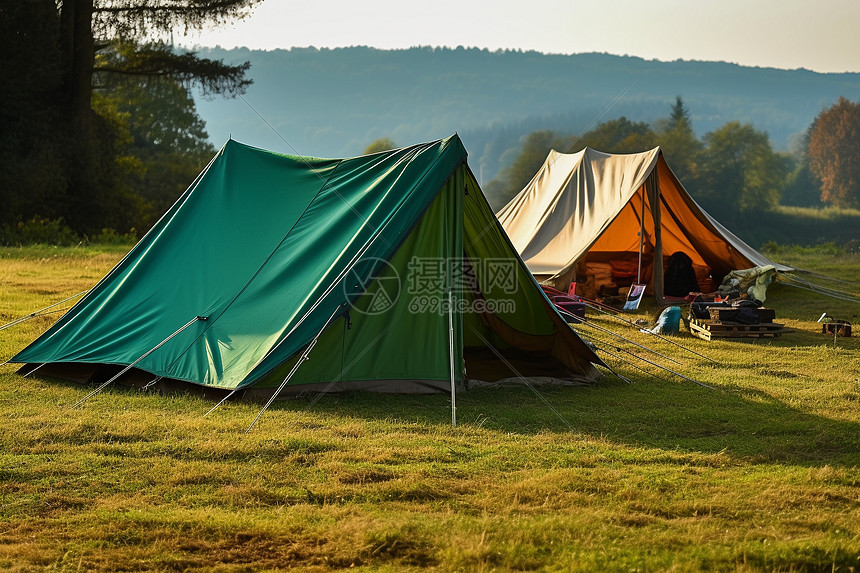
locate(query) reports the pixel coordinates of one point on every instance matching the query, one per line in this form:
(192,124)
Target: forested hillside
(97,143)
(334,102)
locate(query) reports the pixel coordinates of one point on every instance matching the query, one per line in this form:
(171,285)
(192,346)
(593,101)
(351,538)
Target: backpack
(679,278)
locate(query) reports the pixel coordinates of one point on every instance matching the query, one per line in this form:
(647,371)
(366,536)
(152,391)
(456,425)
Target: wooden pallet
(710,329)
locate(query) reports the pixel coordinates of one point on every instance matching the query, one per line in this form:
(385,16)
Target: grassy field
(760,473)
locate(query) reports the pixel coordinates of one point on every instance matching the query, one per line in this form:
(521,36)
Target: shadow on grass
(738,422)
(744,422)
(799,338)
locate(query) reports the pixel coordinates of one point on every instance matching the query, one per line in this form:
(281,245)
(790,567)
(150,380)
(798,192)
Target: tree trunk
(81,206)
(76,21)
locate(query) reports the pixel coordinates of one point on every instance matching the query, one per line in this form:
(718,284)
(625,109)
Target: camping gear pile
(742,318)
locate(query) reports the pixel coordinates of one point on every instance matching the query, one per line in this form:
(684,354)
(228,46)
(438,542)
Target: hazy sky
(820,35)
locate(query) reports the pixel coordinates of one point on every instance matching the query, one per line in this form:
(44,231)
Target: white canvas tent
(616,218)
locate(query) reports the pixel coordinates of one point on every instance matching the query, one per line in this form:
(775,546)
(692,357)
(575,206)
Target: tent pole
(130,366)
(295,368)
(451,355)
(641,237)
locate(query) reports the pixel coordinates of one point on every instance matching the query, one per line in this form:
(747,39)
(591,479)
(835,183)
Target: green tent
(357,260)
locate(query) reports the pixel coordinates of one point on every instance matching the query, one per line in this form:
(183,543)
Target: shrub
(39,230)
(111,237)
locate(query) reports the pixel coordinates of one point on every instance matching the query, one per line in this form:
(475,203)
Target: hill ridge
(333,102)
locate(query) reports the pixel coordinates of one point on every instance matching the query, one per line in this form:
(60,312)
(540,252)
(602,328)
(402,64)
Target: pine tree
(97,40)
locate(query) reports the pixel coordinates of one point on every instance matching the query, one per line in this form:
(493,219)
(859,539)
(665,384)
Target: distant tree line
(98,129)
(732,171)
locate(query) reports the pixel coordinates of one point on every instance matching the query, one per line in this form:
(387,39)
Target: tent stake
(451,355)
(294,369)
(130,366)
(151,383)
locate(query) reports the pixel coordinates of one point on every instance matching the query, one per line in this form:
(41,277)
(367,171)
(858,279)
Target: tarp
(272,251)
(592,206)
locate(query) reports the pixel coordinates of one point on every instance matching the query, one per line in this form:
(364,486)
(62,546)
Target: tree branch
(212,76)
(136,17)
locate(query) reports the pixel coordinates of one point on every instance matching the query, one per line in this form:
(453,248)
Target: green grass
(832,214)
(761,473)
